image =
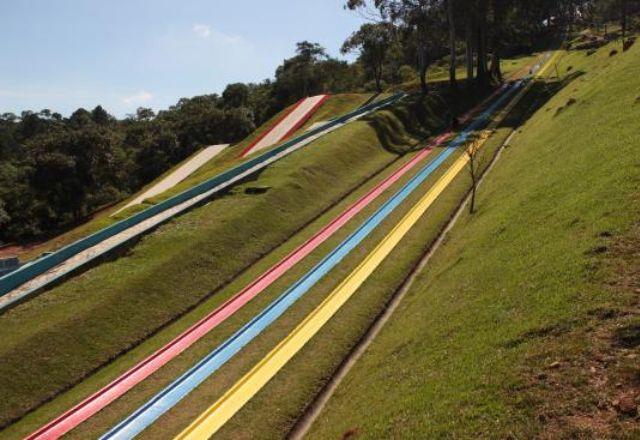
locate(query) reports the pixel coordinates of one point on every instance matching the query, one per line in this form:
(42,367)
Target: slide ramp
(289,123)
(178,175)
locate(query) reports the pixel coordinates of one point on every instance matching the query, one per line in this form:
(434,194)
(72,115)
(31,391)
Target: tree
(144,114)
(623,18)
(415,16)
(499,10)
(469,43)
(100,116)
(236,95)
(481,41)
(300,76)
(474,171)
(373,41)
(452,42)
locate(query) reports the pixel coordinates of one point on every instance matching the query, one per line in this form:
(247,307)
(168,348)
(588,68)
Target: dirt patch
(585,383)
(350,434)
(628,43)
(570,102)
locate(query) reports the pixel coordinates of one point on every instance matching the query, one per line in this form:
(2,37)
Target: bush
(407,73)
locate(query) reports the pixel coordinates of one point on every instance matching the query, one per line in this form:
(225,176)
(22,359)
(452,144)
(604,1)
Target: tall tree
(452,42)
(499,9)
(469,41)
(481,40)
(415,15)
(373,41)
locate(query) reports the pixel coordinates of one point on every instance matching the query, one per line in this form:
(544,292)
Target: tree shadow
(407,125)
(539,94)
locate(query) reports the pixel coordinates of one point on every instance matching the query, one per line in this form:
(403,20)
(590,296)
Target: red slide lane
(266,132)
(103,397)
(298,124)
(306,117)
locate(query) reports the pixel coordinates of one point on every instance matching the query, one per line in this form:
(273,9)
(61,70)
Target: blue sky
(122,54)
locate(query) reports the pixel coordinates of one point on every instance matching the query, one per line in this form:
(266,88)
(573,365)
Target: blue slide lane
(183,385)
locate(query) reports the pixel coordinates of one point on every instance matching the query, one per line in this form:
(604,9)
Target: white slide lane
(178,175)
(289,123)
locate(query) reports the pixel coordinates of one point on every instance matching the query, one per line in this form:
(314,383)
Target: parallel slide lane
(211,420)
(103,397)
(183,385)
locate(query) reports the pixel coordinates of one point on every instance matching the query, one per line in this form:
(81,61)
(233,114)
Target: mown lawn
(260,420)
(97,316)
(525,323)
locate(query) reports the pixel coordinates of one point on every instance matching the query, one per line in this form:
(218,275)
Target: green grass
(95,317)
(186,260)
(330,350)
(330,353)
(336,105)
(457,358)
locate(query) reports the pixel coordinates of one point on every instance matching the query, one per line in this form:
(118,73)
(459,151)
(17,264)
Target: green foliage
(55,171)
(373,41)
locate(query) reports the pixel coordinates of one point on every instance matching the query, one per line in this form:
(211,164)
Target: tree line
(472,35)
(55,170)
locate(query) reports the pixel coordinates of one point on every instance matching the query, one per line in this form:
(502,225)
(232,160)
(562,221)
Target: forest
(55,170)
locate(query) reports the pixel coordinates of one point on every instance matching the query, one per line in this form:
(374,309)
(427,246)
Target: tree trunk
(572,10)
(469,46)
(422,63)
(498,18)
(452,43)
(472,204)
(481,41)
(474,181)
(496,70)
(623,18)
(378,77)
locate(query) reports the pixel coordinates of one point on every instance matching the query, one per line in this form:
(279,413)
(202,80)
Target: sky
(123,54)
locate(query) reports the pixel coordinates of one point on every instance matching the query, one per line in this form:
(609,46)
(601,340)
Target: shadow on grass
(537,97)
(405,126)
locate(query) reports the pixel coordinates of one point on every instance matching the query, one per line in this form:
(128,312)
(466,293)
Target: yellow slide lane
(212,419)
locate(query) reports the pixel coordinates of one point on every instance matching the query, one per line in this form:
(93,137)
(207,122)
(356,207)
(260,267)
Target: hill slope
(527,317)
(104,312)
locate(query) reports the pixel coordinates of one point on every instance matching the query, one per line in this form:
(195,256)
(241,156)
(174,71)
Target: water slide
(144,416)
(178,175)
(287,125)
(34,276)
(103,397)
(213,418)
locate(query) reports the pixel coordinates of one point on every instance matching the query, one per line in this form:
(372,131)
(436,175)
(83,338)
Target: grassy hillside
(334,106)
(106,311)
(525,324)
(346,332)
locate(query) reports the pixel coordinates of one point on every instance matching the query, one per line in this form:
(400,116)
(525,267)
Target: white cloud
(138,98)
(202,30)
(206,32)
